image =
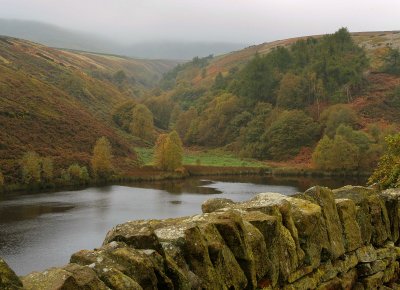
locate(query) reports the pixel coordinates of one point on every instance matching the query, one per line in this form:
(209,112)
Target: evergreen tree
(392,61)
(102,159)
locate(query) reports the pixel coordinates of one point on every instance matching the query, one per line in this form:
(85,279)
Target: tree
(344,154)
(249,141)
(159,151)
(184,121)
(338,115)
(47,169)
(102,159)
(392,61)
(290,93)
(291,131)
(336,154)
(387,174)
(1,179)
(322,156)
(31,168)
(358,138)
(168,151)
(142,123)
(78,174)
(219,82)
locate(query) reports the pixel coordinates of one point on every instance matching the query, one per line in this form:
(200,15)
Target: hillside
(373,42)
(50,102)
(336,87)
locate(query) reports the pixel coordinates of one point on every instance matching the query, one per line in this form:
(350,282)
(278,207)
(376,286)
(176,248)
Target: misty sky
(245,21)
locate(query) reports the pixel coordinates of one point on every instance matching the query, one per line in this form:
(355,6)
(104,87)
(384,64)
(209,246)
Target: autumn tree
(184,121)
(142,123)
(78,174)
(159,151)
(168,151)
(336,154)
(338,115)
(322,156)
(345,154)
(31,168)
(102,158)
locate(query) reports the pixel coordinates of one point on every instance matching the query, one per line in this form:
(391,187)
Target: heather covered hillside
(58,103)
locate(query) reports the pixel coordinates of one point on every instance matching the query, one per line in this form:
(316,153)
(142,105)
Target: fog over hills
(55,36)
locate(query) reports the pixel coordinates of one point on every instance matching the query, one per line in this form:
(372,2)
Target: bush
(336,154)
(78,174)
(289,133)
(338,115)
(387,174)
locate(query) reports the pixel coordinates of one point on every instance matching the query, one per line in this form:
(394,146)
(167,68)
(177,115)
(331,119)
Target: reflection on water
(38,231)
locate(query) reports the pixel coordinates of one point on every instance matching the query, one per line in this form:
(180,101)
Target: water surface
(38,231)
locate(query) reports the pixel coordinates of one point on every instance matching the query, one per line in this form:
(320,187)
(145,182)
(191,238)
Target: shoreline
(151,174)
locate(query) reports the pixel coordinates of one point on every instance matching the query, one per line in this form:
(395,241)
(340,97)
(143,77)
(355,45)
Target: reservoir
(42,230)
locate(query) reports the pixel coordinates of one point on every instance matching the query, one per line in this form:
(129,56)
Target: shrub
(387,174)
(291,131)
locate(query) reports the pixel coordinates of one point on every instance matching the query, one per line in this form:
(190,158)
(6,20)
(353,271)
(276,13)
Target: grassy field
(215,157)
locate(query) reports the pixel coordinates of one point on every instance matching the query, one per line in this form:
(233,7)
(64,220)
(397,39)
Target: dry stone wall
(320,239)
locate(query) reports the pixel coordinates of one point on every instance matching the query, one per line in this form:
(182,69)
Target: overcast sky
(245,21)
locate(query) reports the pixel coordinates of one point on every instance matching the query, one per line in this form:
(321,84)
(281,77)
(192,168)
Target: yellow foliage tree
(31,168)
(336,154)
(102,159)
(322,156)
(142,124)
(78,173)
(168,151)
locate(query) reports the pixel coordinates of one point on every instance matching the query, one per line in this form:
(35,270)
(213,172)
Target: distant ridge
(58,37)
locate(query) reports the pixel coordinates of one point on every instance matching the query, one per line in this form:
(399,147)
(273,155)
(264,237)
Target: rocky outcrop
(320,239)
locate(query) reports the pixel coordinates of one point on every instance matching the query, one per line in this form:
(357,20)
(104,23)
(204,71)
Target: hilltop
(374,43)
(58,102)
